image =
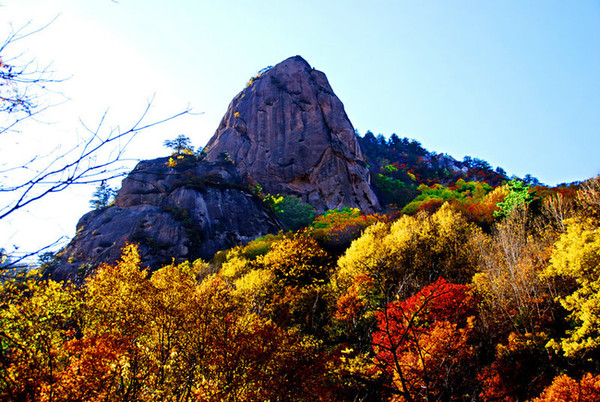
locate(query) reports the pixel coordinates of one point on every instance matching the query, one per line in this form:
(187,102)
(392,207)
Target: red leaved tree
(424,343)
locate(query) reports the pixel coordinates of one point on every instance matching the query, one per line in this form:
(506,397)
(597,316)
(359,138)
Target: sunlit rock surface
(288,132)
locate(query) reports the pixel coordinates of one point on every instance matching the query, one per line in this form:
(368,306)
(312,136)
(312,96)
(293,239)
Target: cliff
(288,132)
(184,212)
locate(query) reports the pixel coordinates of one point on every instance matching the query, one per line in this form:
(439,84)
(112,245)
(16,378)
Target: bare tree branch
(16,261)
(22,83)
(79,165)
(99,157)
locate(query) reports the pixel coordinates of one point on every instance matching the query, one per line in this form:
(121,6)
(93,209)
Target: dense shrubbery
(335,229)
(450,302)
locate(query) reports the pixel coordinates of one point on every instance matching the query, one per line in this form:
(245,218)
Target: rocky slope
(288,132)
(184,212)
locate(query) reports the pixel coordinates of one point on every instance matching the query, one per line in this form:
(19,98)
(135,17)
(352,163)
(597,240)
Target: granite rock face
(288,132)
(187,212)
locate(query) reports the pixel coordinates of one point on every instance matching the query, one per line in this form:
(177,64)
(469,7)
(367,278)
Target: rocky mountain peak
(288,132)
(183,212)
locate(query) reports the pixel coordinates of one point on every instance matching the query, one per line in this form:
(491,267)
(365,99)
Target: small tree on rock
(103,196)
(182,145)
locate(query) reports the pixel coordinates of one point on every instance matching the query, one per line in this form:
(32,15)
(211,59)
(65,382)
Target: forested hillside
(472,293)
(400,275)
(288,256)
(398,166)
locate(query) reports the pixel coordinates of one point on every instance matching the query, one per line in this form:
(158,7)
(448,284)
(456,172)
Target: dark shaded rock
(187,212)
(288,132)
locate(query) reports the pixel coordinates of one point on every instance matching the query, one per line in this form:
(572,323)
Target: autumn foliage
(452,302)
(566,389)
(132,336)
(335,229)
(423,342)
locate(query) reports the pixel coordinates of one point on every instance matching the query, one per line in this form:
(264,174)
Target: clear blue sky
(515,83)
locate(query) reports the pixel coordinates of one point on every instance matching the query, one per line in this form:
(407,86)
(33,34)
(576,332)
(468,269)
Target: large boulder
(184,212)
(288,132)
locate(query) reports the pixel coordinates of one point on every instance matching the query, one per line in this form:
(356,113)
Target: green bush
(292,212)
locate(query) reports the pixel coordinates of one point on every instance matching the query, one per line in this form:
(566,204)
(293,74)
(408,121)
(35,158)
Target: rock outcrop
(184,212)
(288,132)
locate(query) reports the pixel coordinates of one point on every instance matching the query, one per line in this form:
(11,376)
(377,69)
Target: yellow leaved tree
(36,319)
(414,250)
(577,256)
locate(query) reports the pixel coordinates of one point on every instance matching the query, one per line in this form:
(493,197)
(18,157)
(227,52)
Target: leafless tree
(98,157)
(78,166)
(558,209)
(588,197)
(23,83)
